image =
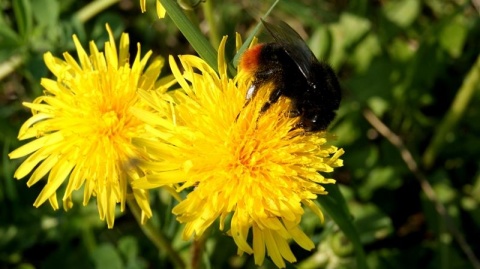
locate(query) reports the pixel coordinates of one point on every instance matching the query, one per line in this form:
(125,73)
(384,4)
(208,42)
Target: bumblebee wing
(293,44)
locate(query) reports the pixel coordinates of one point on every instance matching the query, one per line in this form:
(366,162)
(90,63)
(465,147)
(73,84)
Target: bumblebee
(295,72)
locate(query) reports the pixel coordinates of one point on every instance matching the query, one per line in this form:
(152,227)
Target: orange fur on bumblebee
(295,72)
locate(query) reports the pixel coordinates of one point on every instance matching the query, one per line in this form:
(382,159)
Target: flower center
(111,123)
(249,156)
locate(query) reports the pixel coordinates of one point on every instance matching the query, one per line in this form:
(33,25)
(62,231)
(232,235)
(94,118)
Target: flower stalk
(457,109)
(156,235)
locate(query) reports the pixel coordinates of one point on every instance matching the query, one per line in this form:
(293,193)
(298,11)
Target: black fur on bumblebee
(288,62)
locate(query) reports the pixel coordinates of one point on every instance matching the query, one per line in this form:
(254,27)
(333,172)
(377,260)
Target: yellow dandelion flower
(83,127)
(255,167)
(160,9)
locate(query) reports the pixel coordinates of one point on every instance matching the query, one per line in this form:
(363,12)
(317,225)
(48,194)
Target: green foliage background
(412,64)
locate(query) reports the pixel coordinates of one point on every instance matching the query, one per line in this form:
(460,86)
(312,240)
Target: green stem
(456,111)
(92,9)
(191,32)
(10,65)
(336,207)
(198,246)
(88,239)
(208,8)
(247,42)
(155,235)
(445,245)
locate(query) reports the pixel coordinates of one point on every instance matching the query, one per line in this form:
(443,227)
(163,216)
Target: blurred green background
(410,75)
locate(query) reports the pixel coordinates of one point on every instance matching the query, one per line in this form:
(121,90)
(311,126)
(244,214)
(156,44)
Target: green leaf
(401,50)
(320,42)
(105,256)
(402,13)
(365,52)
(378,105)
(191,32)
(345,35)
(46,12)
(8,38)
(128,246)
(372,224)
(453,36)
(335,206)
(377,178)
(23,16)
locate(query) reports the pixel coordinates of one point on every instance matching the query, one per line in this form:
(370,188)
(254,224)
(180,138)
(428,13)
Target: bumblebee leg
(294,113)
(274,96)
